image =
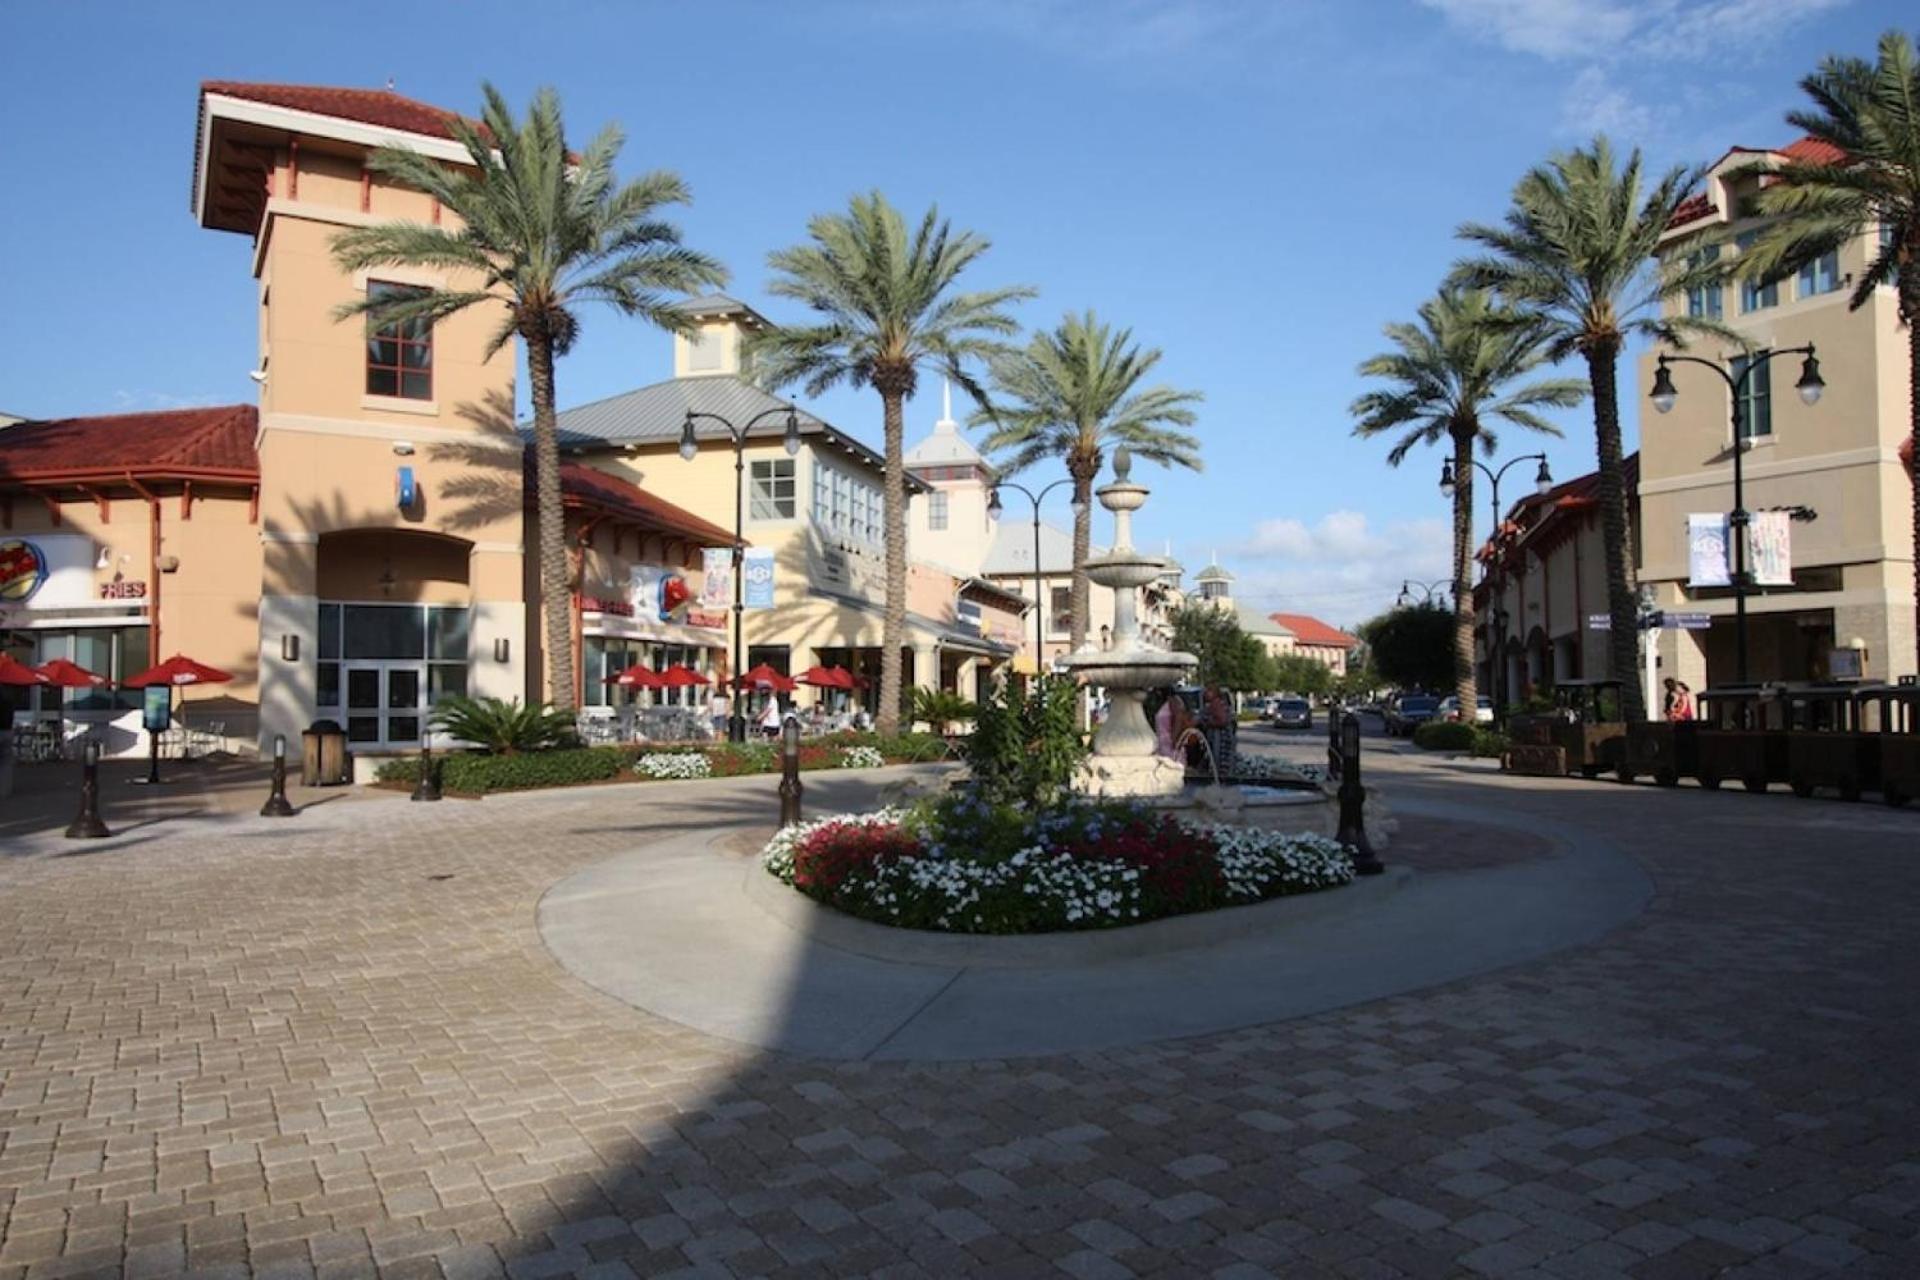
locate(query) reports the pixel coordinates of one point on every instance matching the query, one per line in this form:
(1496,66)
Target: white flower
(674,764)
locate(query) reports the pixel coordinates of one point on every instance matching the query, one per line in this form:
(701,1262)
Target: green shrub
(1444,735)
(1026,745)
(497,725)
(941,709)
(475,773)
(1489,742)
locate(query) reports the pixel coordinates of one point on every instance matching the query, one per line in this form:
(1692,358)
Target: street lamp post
(994,508)
(1427,591)
(1542,481)
(1664,395)
(689,448)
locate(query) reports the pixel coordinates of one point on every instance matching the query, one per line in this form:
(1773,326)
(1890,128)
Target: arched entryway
(393,631)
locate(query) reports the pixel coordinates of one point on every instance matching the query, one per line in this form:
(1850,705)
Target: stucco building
(1839,459)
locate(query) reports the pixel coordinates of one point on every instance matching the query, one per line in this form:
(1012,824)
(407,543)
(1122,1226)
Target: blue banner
(759,575)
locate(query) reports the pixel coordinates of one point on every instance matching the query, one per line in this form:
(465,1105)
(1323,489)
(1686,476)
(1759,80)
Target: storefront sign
(123,591)
(1707,551)
(705,618)
(156,708)
(758,568)
(717,591)
(618,608)
(46,571)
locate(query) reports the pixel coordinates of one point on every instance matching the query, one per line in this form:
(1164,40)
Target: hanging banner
(1770,549)
(758,569)
(716,592)
(1707,551)
(643,588)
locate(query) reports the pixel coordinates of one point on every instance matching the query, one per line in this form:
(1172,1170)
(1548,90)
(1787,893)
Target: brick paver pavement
(336,1047)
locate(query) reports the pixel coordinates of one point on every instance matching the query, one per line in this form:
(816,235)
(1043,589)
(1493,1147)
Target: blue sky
(1255,186)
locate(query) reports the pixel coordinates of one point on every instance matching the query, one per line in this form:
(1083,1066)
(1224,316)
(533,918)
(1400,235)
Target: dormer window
(400,355)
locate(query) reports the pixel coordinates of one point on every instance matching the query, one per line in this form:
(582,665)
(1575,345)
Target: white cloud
(1545,28)
(1339,568)
(1594,103)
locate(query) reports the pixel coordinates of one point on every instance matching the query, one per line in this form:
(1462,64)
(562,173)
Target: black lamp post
(689,447)
(994,508)
(1496,574)
(1427,591)
(1664,395)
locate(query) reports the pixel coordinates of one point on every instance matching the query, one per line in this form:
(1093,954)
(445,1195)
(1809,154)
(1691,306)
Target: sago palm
(1072,394)
(535,231)
(884,305)
(1575,257)
(1870,113)
(1450,377)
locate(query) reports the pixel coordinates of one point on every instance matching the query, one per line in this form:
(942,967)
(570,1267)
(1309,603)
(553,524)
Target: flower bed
(673,764)
(959,865)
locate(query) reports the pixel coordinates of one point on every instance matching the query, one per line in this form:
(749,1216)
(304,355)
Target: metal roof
(1012,549)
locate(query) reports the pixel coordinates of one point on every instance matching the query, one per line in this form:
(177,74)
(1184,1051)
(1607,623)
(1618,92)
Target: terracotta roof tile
(214,441)
(1813,151)
(1692,209)
(1311,631)
(381,108)
(591,486)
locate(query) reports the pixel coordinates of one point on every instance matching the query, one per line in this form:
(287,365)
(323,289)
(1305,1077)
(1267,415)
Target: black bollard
(428,786)
(276,805)
(790,788)
(1353,801)
(1333,743)
(87,826)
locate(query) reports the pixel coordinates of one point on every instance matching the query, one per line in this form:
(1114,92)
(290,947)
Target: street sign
(1599,622)
(1688,621)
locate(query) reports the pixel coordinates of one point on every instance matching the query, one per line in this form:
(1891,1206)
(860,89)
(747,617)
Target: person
(817,718)
(1678,702)
(770,718)
(717,708)
(1170,724)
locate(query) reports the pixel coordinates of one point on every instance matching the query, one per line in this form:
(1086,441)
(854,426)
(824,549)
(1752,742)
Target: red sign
(701,618)
(618,608)
(123,591)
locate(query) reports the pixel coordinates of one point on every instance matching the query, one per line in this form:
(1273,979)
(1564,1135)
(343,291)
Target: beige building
(1839,459)
(1214,587)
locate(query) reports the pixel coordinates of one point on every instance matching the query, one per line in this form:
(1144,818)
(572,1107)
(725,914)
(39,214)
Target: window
(772,489)
(1756,399)
(400,356)
(937,509)
(1756,296)
(113,652)
(847,505)
(366,635)
(1060,619)
(1822,275)
(1704,300)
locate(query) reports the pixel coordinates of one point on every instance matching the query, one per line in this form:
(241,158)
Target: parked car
(1450,710)
(1292,713)
(1408,712)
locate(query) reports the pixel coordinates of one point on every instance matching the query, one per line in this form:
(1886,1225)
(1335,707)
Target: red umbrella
(827,678)
(70,675)
(679,677)
(15,672)
(178,670)
(637,676)
(766,675)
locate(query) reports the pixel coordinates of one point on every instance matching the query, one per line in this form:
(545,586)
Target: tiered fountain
(1123,762)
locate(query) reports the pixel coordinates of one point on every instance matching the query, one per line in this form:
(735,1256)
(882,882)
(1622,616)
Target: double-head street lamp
(1427,590)
(689,447)
(1664,395)
(994,509)
(1542,482)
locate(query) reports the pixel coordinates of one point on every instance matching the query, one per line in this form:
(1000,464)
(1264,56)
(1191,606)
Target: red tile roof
(1806,150)
(381,108)
(1312,631)
(1692,209)
(1813,151)
(215,443)
(584,485)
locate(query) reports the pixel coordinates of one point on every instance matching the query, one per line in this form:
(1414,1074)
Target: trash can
(323,755)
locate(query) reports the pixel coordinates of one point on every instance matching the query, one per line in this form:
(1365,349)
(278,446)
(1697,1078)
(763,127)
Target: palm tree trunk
(550,516)
(1623,647)
(893,627)
(1463,681)
(1083,470)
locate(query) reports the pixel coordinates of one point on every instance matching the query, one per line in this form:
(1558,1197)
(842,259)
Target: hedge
(477,773)
(1452,735)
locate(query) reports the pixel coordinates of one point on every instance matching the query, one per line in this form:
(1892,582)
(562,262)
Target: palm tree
(884,307)
(1449,377)
(536,231)
(1870,114)
(1575,257)
(1071,394)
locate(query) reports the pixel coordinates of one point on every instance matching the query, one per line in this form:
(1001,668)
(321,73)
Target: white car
(1450,710)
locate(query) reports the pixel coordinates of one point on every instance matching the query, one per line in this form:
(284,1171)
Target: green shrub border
(1452,735)
(478,773)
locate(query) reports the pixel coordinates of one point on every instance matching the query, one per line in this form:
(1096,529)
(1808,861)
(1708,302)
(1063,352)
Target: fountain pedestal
(1123,762)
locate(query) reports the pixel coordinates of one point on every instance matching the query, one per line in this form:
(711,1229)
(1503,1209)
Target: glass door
(384,704)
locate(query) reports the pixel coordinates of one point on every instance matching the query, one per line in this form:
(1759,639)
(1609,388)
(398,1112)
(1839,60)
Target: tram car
(1890,715)
(1740,736)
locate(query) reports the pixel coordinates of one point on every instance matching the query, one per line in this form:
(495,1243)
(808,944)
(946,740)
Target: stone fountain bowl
(1130,669)
(1123,573)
